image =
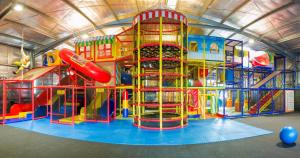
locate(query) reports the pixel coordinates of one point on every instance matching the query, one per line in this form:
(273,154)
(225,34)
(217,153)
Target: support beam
(46,16)
(208,21)
(296,47)
(112,11)
(231,13)
(35,29)
(204,10)
(265,16)
(51,45)
(32,60)
(289,38)
(70,4)
(121,22)
(20,39)
(288,23)
(209,24)
(15,46)
(137,5)
(10,5)
(206,5)
(70,44)
(5,7)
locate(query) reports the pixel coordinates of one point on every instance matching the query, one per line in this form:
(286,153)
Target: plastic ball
(288,135)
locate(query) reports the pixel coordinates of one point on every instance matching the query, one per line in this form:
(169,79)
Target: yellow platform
(80,118)
(20,115)
(77,119)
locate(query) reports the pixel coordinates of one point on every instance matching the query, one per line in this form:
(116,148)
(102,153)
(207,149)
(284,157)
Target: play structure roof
(50,23)
(97,39)
(34,73)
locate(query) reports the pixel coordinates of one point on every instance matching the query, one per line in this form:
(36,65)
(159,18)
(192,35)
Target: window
(193,46)
(104,51)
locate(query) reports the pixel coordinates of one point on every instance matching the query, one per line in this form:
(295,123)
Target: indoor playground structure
(155,74)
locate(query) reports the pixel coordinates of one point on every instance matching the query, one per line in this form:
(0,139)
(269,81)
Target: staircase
(265,101)
(262,82)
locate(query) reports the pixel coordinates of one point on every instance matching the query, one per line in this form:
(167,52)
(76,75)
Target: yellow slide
(94,104)
(54,99)
(263,107)
(265,101)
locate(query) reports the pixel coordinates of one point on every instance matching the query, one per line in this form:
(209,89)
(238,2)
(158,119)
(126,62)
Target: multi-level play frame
(153,73)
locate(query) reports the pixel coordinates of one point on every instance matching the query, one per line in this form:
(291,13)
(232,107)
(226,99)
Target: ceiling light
(172,4)
(251,41)
(85,36)
(18,7)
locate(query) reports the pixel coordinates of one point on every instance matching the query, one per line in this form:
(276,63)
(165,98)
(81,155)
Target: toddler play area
(165,78)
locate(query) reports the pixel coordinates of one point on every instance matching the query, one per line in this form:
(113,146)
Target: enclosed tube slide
(84,66)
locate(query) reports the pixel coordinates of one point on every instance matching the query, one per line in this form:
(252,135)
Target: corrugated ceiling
(46,21)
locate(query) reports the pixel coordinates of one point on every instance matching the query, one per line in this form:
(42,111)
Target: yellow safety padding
(60,92)
(99,90)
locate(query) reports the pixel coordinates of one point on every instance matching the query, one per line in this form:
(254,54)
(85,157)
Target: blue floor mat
(123,132)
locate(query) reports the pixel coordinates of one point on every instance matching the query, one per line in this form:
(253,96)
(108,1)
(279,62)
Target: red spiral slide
(84,66)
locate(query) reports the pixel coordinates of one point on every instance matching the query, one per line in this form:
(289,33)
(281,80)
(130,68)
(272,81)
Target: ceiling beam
(204,10)
(264,16)
(112,11)
(51,46)
(290,22)
(16,46)
(231,13)
(69,44)
(20,39)
(121,22)
(70,4)
(289,38)
(35,29)
(209,24)
(296,47)
(6,8)
(207,21)
(206,6)
(137,6)
(46,16)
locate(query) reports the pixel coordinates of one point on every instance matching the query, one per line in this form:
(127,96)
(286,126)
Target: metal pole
(160,73)
(138,73)
(181,74)
(32,100)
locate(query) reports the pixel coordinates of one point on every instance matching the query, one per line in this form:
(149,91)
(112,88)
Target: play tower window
(193,46)
(104,51)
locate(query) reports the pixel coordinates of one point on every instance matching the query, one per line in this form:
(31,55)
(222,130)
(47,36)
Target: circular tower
(160,48)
